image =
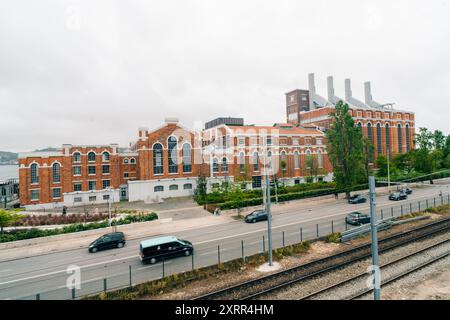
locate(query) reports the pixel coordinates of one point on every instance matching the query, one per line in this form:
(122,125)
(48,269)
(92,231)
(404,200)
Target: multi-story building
(167,161)
(390,130)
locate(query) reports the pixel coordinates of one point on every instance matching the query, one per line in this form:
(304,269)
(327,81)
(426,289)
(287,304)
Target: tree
(368,151)
(202,187)
(8,217)
(312,166)
(438,139)
(345,148)
(381,163)
(424,139)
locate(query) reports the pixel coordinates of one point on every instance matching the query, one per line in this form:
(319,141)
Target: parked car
(108,241)
(357,199)
(157,249)
(357,218)
(406,191)
(397,196)
(255,216)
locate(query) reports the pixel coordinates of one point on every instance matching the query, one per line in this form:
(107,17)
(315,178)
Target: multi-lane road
(24,278)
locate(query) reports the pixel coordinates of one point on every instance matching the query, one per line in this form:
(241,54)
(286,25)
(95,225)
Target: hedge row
(16,235)
(281,198)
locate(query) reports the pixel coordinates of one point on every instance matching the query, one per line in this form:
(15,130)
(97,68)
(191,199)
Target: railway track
(269,284)
(364,275)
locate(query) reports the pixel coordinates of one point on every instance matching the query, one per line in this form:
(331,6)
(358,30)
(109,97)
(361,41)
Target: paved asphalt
(47,274)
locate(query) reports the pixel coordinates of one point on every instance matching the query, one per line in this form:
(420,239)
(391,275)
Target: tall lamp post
(268,166)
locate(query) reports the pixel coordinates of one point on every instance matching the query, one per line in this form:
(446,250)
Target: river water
(9,172)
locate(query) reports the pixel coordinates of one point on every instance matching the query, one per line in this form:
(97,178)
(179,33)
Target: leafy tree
(8,217)
(381,163)
(438,140)
(345,148)
(312,166)
(424,139)
(202,187)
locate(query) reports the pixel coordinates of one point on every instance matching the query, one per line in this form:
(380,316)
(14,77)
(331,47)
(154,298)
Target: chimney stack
(312,91)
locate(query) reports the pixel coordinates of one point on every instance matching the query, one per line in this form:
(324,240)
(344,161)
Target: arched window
(91,156)
(56,173)
(187,157)
(400,138)
(242,162)
(159,188)
(224,165)
(187,186)
(284,160)
(34,173)
(255,161)
(369,132)
(105,156)
(215,165)
(77,157)
(379,143)
(309,159)
(126,161)
(132,161)
(158,164)
(360,126)
(388,141)
(173,154)
(173,187)
(296,160)
(408,143)
(320,159)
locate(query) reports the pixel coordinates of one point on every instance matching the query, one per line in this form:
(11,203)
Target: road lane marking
(64,271)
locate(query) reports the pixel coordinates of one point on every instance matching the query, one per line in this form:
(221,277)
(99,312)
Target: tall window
(308,162)
(370,137)
(388,141)
(173,155)
(408,143)
(105,156)
(269,159)
(255,161)
(296,160)
(92,185)
(400,138)
(34,173)
(91,156)
(320,159)
(77,157)
(284,160)
(242,162)
(187,158)
(56,173)
(379,146)
(215,165)
(224,165)
(158,167)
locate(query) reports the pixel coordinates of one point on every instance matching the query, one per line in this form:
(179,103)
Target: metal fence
(123,274)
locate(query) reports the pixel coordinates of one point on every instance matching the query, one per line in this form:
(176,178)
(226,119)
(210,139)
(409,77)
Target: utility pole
(109,207)
(374,225)
(269,218)
(388,170)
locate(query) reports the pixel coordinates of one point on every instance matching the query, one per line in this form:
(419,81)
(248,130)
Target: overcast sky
(93,72)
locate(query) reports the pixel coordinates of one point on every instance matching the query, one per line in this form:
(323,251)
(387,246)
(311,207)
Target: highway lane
(37,274)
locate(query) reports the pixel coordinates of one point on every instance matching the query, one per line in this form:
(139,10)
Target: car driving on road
(255,216)
(157,249)
(357,199)
(108,241)
(397,196)
(406,191)
(357,218)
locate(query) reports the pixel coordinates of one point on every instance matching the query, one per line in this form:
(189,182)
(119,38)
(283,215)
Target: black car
(406,191)
(397,196)
(357,199)
(162,248)
(255,216)
(108,241)
(357,218)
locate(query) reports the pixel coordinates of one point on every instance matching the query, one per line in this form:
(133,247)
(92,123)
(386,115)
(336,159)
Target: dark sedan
(255,216)
(357,199)
(357,218)
(397,196)
(406,191)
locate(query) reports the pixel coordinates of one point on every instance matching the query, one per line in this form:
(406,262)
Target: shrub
(333,238)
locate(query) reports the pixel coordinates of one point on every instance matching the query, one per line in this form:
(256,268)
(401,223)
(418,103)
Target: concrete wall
(145,190)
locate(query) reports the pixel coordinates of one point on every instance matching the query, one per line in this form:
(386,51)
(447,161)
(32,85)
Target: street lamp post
(268,209)
(388,171)
(109,206)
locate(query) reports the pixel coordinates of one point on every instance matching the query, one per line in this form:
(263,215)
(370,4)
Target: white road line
(64,271)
